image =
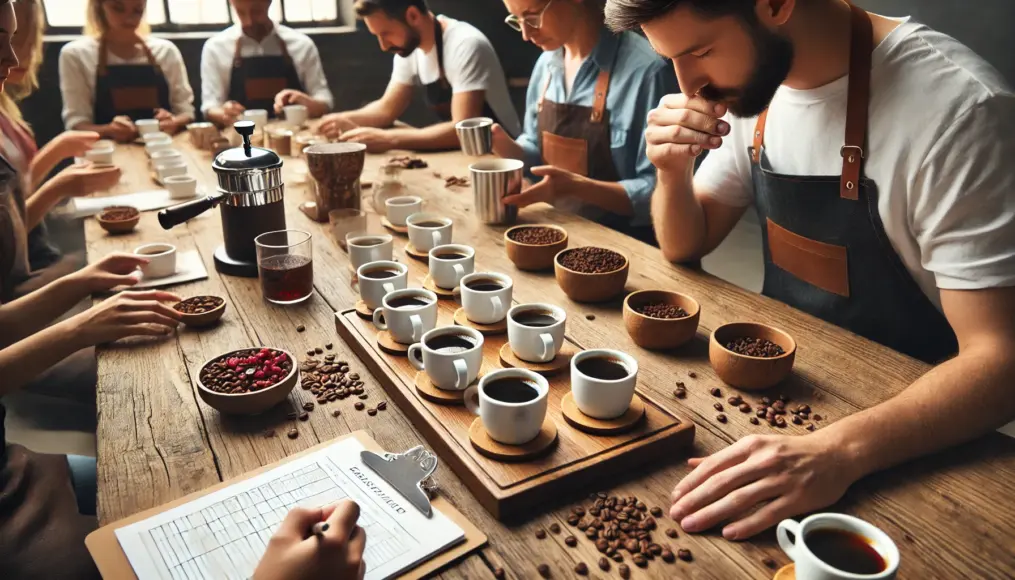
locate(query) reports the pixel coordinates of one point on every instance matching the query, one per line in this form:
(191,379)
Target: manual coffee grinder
(250,193)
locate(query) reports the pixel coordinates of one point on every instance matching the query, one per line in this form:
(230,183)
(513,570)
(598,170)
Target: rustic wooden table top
(951,515)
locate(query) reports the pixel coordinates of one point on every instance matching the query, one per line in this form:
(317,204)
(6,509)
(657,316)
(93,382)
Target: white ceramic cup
(156,136)
(160,144)
(538,344)
(602,398)
(505,422)
(170,168)
(164,155)
(486,306)
(448,272)
(449,371)
(365,247)
(809,567)
(407,324)
(296,114)
(100,153)
(162,260)
(258,116)
(398,209)
(147,126)
(426,238)
(180,186)
(372,290)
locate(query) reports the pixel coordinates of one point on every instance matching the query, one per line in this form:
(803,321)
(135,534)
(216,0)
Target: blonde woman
(117,73)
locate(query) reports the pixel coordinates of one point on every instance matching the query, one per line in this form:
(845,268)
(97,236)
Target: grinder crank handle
(176,215)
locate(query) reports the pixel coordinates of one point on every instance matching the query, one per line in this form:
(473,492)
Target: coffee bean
(721,418)
(758,347)
(717,406)
(671,533)
(617,557)
(583,525)
(498,573)
(336,413)
(308,406)
(322,400)
(591,533)
(354,376)
(328,346)
(779,406)
(581,569)
(780,421)
(734,400)
(797,420)
(754,421)
(602,545)
(684,554)
(679,393)
(817,417)
(624,571)
(766,401)
(591,260)
(762,411)
(631,546)
(640,560)
(590,317)
(604,564)
(571,541)
(541,534)
(311,352)
(319,350)
(572,520)
(293,433)
(716,392)
(692,374)
(359,406)
(371,412)
(382,405)
(770,563)
(543,570)
(300,328)
(660,310)
(656,511)
(811,427)
(304,416)
(329,358)
(269,433)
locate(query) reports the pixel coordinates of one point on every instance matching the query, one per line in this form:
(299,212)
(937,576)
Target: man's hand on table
(295,553)
(73,143)
(785,475)
(116,269)
(555,185)
(334,124)
(292,97)
(121,129)
(376,140)
(231,110)
(168,123)
(126,314)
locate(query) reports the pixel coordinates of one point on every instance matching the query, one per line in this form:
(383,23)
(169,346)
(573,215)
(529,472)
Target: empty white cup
(156,136)
(103,154)
(170,168)
(146,126)
(163,260)
(164,156)
(180,186)
(296,115)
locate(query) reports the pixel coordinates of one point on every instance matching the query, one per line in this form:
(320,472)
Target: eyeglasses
(532,21)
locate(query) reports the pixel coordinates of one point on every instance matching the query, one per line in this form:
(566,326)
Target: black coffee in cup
(846,551)
(381,274)
(452,256)
(367,242)
(430,224)
(604,368)
(535,318)
(408,302)
(511,390)
(484,285)
(451,343)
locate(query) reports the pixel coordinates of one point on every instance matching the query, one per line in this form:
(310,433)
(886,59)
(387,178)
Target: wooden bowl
(203,319)
(660,333)
(533,257)
(248,403)
(750,372)
(119,226)
(584,287)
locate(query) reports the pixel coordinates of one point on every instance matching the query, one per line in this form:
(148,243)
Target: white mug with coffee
(378,279)
(162,260)
(512,404)
(398,209)
(407,314)
(603,381)
(428,230)
(536,331)
(450,263)
(486,296)
(838,547)
(364,247)
(450,356)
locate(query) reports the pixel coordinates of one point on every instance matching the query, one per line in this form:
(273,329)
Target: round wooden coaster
(501,452)
(393,227)
(582,422)
(364,311)
(508,358)
(787,572)
(388,344)
(440,292)
(496,328)
(430,392)
(412,252)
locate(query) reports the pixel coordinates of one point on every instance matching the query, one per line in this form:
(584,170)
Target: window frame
(170,27)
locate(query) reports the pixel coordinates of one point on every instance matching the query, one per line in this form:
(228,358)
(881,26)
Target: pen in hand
(319,529)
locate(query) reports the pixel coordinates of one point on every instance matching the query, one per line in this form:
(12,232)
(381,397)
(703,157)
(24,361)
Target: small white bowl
(180,186)
(100,155)
(163,260)
(147,126)
(157,136)
(158,145)
(169,169)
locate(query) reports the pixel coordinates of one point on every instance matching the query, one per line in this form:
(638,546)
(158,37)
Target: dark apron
(132,90)
(439,93)
(826,251)
(576,138)
(256,80)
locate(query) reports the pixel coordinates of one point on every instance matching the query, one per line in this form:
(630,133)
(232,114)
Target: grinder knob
(246,130)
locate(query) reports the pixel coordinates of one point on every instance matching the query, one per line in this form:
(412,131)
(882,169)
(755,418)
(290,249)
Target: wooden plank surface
(950,514)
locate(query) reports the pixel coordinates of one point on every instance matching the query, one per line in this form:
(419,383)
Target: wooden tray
(513,488)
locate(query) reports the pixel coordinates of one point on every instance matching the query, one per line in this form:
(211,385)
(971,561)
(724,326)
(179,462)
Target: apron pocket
(817,263)
(566,153)
(135,98)
(264,89)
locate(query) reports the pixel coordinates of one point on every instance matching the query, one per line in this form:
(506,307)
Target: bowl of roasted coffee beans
(532,247)
(751,356)
(200,311)
(591,274)
(660,319)
(247,381)
(119,219)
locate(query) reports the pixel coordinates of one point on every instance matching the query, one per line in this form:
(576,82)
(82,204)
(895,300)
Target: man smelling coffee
(908,242)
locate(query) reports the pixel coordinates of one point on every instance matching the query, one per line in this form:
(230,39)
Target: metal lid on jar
(247,169)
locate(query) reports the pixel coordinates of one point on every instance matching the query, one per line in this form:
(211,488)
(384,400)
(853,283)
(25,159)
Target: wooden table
(951,514)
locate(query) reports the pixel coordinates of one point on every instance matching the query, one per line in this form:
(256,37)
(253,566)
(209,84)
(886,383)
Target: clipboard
(112,562)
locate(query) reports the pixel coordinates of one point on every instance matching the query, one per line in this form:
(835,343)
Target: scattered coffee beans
(656,511)
(555,528)
(581,569)
(541,534)
(304,416)
(716,392)
(498,573)
(754,421)
(744,408)
(454,181)
(536,236)
(198,304)
(293,433)
(770,563)
(604,564)
(336,413)
(571,541)
(817,417)
(671,533)
(721,418)
(640,560)
(359,406)
(759,347)
(308,406)
(590,317)
(661,310)
(592,260)
(684,554)
(811,427)
(717,406)
(692,374)
(329,346)
(625,572)
(667,556)
(246,371)
(408,162)
(384,405)
(543,570)
(268,433)
(371,411)
(680,392)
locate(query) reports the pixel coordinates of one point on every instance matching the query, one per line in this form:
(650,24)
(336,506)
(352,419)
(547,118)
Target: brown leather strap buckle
(851,158)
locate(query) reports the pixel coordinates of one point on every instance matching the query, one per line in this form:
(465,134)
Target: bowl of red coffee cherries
(247,381)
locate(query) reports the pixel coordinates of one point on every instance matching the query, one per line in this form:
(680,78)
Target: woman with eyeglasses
(586,108)
(117,73)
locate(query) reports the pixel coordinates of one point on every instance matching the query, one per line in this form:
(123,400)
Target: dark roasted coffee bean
(354,376)
(572,520)
(269,433)
(656,511)
(717,406)
(371,411)
(364,396)
(721,418)
(817,417)
(692,374)
(581,569)
(571,541)
(716,392)
(671,533)
(498,573)
(797,420)
(602,545)
(310,352)
(359,406)
(293,433)
(780,421)
(617,557)
(679,393)
(304,416)
(631,546)
(762,411)
(583,525)
(745,408)
(328,346)
(684,554)
(667,556)
(770,563)
(604,564)
(543,570)
(322,400)
(319,350)
(734,400)
(590,317)
(541,534)
(624,571)
(300,328)
(591,533)
(336,413)
(640,560)
(811,427)
(308,406)
(754,421)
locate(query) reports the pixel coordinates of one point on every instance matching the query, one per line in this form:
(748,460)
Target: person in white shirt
(259,64)
(452,61)
(908,239)
(117,74)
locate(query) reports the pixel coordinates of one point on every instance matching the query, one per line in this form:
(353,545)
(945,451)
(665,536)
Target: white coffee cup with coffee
(536,331)
(407,314)
(838,547)
(378,279)
(450,263)
(162,260)
(511,403)
(450,356)
(486,296)
(398,209)
(428,230)
(364,247)
(603,382)
(180,186)
(296,115)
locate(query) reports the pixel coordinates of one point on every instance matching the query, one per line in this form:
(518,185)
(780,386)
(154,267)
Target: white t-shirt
(470,64)
(940,148)
(79,60)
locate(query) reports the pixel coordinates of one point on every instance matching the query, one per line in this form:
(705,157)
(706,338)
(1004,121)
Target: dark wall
(356,68)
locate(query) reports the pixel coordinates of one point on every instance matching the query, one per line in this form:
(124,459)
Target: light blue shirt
(639,79)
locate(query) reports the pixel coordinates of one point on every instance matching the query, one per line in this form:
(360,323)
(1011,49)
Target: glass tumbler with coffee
(285,265)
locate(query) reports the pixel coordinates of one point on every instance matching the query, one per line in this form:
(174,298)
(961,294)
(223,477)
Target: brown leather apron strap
(104,59)
(151,58)
(759,136)
(599,104)
(102,56)
(858,100)
(542,94)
